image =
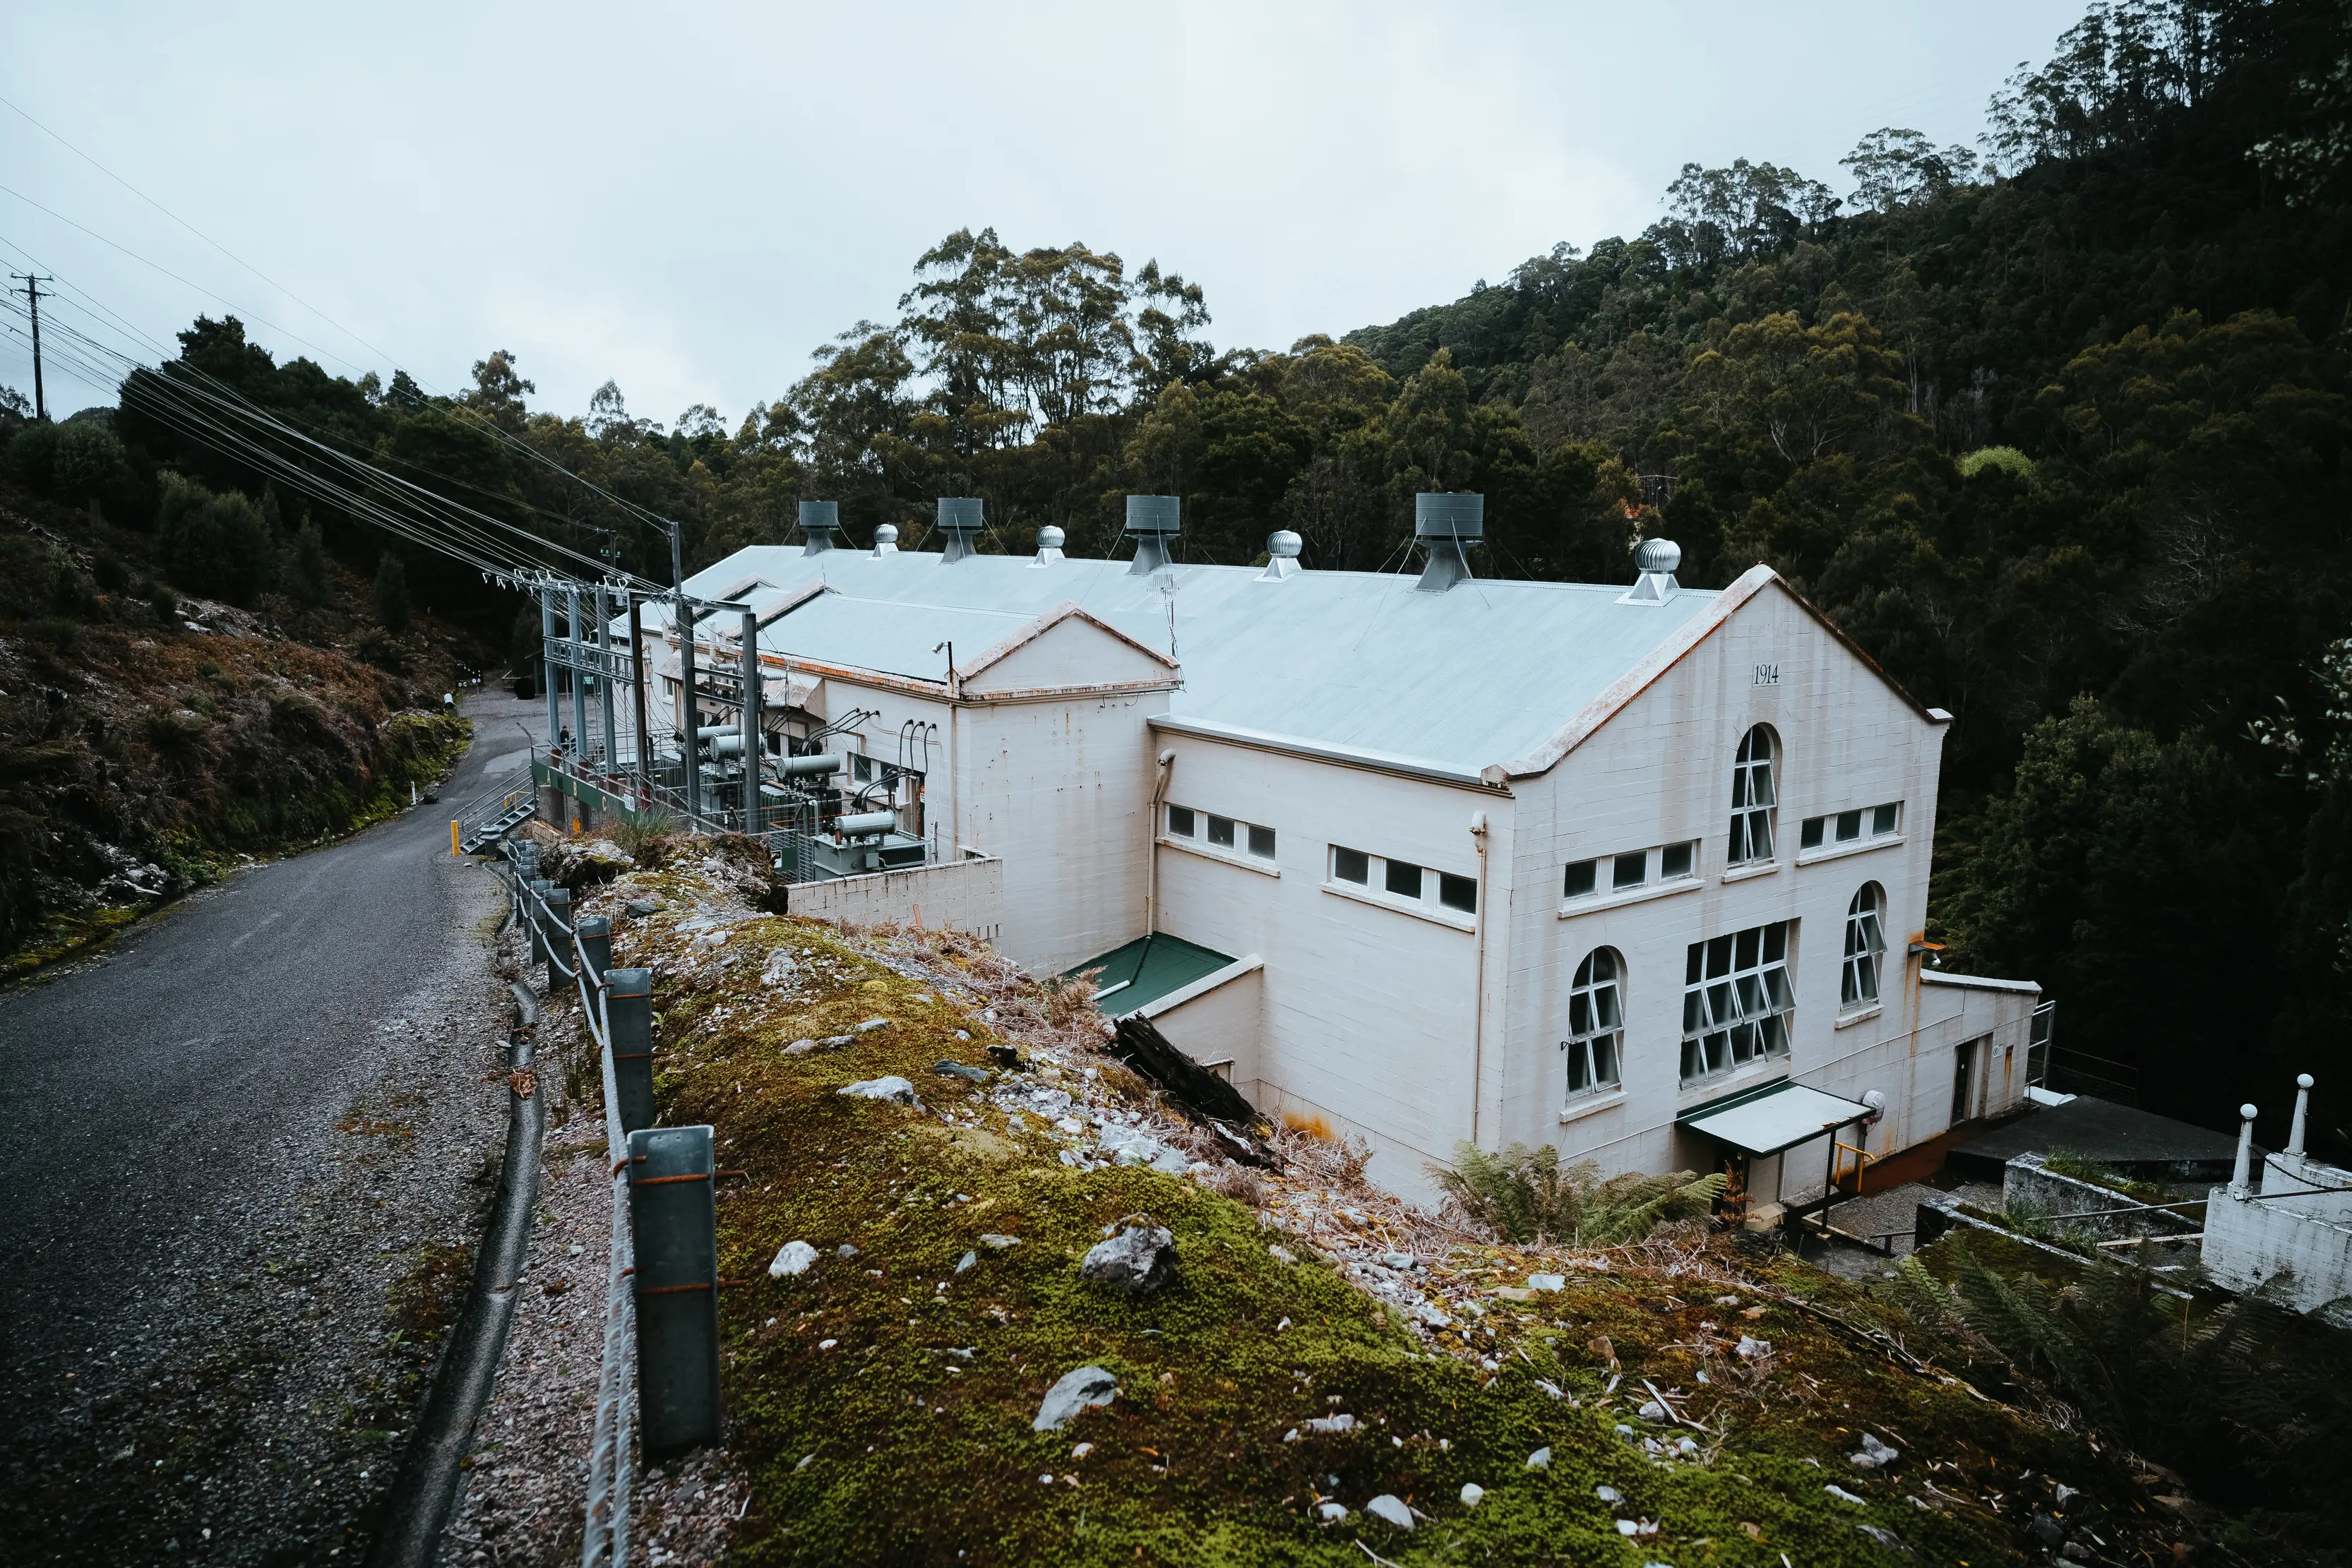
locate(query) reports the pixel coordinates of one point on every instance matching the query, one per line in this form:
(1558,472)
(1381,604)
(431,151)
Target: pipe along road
(248,1151)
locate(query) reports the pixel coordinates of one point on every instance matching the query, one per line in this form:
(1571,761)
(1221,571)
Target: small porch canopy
(1776,1117)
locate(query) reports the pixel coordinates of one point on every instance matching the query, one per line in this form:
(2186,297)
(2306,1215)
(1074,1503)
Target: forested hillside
(2055,426)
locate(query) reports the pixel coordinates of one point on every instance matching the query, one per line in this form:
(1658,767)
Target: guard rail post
(558,903)
(595,934)
(535,909)
(674,1214)
(629,1016)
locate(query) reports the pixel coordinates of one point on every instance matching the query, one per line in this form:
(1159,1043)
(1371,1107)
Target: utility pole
(32,291)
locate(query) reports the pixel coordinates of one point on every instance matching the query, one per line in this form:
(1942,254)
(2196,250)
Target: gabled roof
(1495,677)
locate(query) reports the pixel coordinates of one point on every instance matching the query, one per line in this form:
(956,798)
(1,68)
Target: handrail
(605,1539)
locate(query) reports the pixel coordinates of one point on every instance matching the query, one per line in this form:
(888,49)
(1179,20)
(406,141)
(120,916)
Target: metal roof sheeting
(1355,662)
(1773,1119)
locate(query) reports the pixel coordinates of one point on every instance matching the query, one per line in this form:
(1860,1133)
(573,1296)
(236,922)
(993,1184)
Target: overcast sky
(689,205)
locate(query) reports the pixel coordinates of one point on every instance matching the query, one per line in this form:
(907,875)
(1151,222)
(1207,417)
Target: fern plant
(1529,1194)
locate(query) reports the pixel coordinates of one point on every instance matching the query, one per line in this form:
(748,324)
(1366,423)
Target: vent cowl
(1656,560)
(1153,522)
(820,520)
(1447,523)
(1049,545)
(1282,547)
(960,519)
(885,541)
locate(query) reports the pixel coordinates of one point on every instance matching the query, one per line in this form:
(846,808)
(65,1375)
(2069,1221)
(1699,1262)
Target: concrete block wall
(965,894)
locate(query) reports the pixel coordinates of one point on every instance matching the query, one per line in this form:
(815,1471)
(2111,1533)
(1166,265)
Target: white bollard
(2238,1176)
(2302,1110)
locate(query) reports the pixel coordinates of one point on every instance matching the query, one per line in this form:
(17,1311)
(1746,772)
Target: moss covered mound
(883,1401)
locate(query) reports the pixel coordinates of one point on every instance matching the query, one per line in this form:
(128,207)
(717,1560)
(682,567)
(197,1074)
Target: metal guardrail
(606,1540)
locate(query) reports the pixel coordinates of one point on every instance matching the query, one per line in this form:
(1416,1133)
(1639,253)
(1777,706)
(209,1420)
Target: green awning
(1146,970)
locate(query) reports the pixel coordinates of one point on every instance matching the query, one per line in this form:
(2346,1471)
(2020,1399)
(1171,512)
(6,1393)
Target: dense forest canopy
(2054,426)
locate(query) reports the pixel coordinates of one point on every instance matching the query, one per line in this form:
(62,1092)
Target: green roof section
(1148,968)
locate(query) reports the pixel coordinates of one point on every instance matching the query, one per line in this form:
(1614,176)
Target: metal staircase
(490,819)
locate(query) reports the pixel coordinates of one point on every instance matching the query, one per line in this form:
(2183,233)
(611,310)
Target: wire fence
(605,1539)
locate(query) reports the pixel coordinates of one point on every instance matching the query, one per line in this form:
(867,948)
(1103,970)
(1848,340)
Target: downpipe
(427,1489)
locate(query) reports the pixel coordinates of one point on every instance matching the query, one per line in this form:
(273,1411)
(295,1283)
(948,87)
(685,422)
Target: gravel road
(248,1151)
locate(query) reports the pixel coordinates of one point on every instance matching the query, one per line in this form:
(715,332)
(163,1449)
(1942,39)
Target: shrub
(88,462)
(1527,1195)
(648,839)
(33,456)
(217,546)
(2007,459)
(393,607)
(307,573)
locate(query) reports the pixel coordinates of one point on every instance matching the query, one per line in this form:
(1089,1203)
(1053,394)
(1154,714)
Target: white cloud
(690,203)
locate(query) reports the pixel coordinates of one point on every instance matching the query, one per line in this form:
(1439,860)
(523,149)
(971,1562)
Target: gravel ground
(527,1475)
(250,1150)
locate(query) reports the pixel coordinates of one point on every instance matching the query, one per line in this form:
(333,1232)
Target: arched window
(1752,798)
(1866,948)
(1596,1024)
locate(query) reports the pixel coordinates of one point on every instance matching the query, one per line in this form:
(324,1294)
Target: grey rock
(1332,1512)
(1875,1454)
(966,1262)
(835,1041)
(2048,1531)
(1608,1494)
(1000,1242)
(2068,1498)
(1471,1493)
(1138,1260)
(641,907)
(1885,1537)
(800,1048)
(870,1025)
(1281,1254)
(793,1259)
(894,1089)
(958,1070)
(1540,1460)
(1329,1425)
(1652,1410)
(845,1250)
(1390,1509)
(1089,1385)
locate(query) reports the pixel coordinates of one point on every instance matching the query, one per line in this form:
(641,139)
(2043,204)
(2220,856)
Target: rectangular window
(1676,861)
(1260,841)
(1181,824)
(1630,871)
(861,768)
(1458,893)
(1221,831)
(1582,878)
(1860,825)
(1350,866)
(1404,881)
(1737,998)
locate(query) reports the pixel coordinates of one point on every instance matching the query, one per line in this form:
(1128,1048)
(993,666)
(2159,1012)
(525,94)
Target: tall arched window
(1866,948)
(1753,799)
(1596,1024)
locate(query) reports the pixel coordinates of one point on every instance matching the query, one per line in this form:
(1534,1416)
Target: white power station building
(1639,872)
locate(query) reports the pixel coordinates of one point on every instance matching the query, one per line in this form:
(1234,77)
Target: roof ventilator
(820,520)
(885,541)
(1447,524)
(1656,559)
(1151,521)
(1282,548)
(1049,545)
(961,520)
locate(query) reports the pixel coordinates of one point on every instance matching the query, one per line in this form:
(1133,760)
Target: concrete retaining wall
(2025,1181)
(966,895)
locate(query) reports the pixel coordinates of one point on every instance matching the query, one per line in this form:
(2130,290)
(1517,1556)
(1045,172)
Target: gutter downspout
(1478,1030)
(1167,762)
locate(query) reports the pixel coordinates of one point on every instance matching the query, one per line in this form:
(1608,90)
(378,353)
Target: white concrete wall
(1223,1027)
(1660,772)
(1368,1010)
(1062,790)
(965,894)
(2250,1243)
